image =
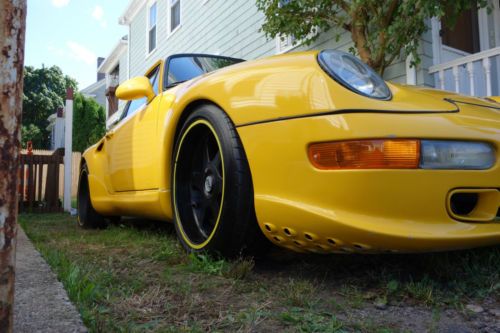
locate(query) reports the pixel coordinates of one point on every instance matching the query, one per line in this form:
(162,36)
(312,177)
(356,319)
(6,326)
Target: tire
(212,194)
(114,219)
(87,217)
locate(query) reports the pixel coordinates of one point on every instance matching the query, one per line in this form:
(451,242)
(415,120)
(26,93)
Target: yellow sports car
(312,150)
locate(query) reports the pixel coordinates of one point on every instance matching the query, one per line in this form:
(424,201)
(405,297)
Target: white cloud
(60,3)
(98,15)
(81,53)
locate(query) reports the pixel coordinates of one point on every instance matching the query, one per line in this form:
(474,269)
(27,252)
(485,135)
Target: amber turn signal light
(366,154)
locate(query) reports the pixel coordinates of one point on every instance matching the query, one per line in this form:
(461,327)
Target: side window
(137,104)
(154,78)
(133,106)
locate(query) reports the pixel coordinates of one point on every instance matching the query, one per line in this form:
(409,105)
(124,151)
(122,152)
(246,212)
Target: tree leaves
(44,92)
(382,31)
(89,122)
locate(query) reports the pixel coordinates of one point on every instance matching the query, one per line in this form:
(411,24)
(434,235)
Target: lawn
(134,277)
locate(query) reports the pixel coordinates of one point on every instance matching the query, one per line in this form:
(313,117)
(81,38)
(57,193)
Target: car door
(132,144)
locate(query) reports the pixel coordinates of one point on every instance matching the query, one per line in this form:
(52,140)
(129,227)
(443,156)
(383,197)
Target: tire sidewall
(87,216)
(223,241)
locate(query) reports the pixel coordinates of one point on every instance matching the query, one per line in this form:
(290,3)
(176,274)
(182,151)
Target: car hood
(294,85)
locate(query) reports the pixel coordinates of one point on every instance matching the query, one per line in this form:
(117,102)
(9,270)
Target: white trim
(290,42)
(93,87)
(114,57)
(452,49)
(151,3)
(128,52)
(148,55)
(171,3)
(436,40)
(466,59)
(170,34)
(496,21)
(133,8)
(411,72)
(482,21)
(68,149)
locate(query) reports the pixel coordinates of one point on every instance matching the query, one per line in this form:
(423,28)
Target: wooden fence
(42,180)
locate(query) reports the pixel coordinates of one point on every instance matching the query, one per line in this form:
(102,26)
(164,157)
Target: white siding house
(56,128)
(160,28)
(96,91)
(115,70)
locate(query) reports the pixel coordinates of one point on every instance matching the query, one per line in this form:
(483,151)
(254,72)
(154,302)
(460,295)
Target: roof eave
(112,59)
(131,11)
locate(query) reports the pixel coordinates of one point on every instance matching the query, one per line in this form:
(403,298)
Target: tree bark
(12,33)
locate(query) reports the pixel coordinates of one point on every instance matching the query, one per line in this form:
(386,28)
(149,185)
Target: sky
(72,34)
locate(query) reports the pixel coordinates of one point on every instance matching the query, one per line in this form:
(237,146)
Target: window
(133,106)
(181,68)
(285,43)
(464,36)
(138,104)
(175,14)
(154,78)
(152,28)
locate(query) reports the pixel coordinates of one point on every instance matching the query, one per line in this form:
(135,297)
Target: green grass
(135,277)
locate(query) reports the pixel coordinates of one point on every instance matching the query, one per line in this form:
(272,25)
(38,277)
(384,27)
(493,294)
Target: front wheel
(87,217)
(212,191)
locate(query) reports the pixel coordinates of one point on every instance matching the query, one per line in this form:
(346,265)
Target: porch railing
(476,74)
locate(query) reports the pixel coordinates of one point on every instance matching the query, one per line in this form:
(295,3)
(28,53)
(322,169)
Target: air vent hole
(463,203)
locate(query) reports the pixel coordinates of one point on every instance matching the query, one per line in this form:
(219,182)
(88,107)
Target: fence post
(12,33)
(68,149)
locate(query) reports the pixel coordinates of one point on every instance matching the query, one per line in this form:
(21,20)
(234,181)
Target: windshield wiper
(171,85)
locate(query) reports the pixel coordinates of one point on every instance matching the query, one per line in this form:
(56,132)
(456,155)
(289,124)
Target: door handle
(109,135)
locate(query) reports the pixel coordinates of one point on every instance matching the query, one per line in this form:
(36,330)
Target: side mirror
(135,88)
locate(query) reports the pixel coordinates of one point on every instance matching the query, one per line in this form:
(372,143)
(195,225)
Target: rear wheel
(88,218)
(212,191)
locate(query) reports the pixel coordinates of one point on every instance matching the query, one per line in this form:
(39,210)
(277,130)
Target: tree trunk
(12,32)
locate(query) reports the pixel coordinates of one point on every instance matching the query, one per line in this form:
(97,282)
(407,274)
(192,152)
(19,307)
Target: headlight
(353,74)
(456,155)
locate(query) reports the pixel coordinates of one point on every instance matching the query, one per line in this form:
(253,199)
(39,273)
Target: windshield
(182,68)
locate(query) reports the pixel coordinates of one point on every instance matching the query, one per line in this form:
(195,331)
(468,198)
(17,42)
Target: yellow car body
(279,107)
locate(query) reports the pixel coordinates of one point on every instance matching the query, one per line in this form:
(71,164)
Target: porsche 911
(312,151)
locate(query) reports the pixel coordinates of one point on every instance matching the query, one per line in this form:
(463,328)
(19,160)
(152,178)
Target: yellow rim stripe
(179,224)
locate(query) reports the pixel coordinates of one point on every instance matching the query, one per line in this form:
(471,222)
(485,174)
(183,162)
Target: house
(115,70)
(464,60)
(96,89)
(56,129)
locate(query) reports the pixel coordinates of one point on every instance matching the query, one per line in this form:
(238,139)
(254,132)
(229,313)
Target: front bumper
(306,209)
